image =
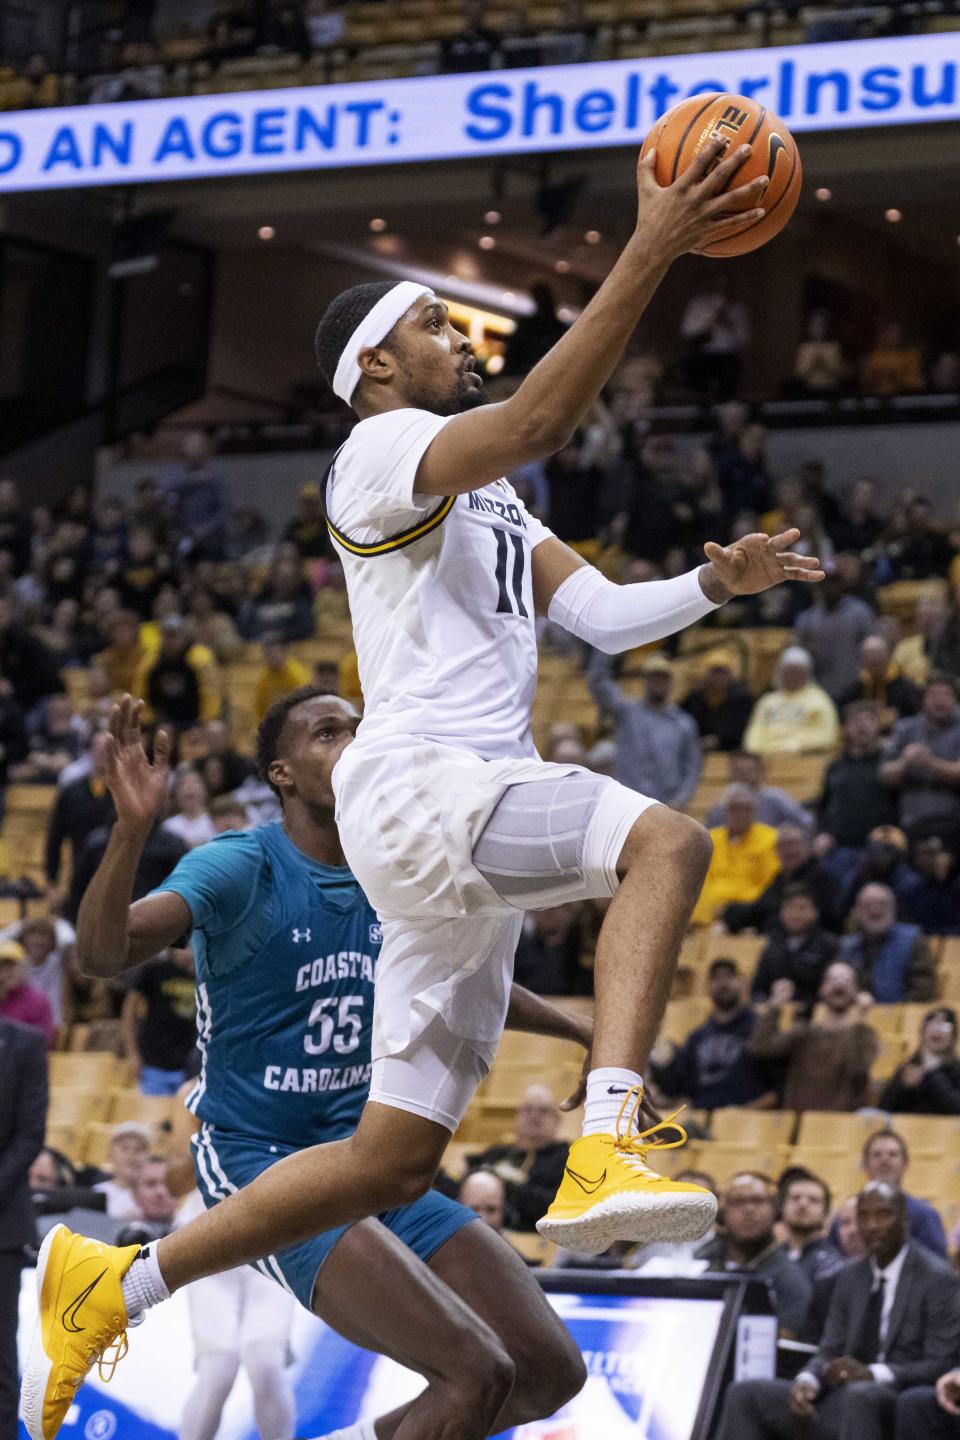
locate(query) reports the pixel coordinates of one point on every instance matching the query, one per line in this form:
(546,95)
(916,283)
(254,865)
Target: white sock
(606,1092)
(143,1285)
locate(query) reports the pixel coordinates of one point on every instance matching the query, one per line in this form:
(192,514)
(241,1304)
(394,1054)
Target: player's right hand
(695,210)
(140,790)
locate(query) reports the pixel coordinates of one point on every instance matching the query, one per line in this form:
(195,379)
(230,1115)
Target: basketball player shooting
(450,822)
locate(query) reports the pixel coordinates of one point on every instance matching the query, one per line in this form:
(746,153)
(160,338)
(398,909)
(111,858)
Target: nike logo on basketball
(589,1187)
(69,1316)
(776,145)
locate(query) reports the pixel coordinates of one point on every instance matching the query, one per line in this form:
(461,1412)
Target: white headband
(371,330)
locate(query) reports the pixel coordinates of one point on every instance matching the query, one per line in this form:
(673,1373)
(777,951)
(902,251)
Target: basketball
(682,132)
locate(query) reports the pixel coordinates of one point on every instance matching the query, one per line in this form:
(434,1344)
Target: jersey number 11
(504,606)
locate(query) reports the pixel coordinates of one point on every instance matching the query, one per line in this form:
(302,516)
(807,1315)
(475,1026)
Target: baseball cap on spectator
(130,1127)
(720,658)
(656,665)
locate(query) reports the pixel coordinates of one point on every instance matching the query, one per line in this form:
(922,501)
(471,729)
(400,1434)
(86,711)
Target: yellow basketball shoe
(82,1321)
(609,1192)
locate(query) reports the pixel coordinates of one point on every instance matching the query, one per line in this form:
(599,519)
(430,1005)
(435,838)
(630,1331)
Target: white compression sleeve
(618,617)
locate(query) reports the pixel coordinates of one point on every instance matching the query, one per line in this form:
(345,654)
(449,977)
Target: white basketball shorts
(451,850)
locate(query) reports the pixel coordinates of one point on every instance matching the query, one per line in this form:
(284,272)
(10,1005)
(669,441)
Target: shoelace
(635,1147)
(106,1361)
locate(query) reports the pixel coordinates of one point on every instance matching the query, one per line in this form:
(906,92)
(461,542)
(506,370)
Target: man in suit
(893,1323)
(23,1116)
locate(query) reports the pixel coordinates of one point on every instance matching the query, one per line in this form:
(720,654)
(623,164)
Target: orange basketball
(683,131)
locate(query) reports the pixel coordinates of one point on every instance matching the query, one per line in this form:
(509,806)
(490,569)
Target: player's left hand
(757,563)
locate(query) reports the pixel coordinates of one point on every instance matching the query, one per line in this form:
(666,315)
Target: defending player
(286,948)
(449,820)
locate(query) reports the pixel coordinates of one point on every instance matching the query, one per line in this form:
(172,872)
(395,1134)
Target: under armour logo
(299,935)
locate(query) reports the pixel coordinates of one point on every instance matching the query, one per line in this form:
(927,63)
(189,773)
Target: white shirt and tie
(890,1276)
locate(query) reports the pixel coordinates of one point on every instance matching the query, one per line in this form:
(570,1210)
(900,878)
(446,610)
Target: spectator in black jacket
(25,661)
(173,689)
(798,866)
(855,800)
(932,900)
(160,855)
(532,1167)
(14,528)
(14,743)
(882,684)
(23,1115)
(747,1242)
(712,1067)
(721,704)
(284,605)
(800,950)
(929,1082)
(804,1207)
(80,807)
(548,952)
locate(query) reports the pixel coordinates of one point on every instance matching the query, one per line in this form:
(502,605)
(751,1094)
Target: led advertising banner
(647,1360)
(906,80)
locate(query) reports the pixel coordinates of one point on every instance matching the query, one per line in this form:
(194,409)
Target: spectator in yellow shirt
(913,655)
(893,366)
(797,716)
(126,654)
(744,857)
(280,674)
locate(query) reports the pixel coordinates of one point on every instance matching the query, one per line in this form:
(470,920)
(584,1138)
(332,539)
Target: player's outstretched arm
(613,617)
(112,934)
(481,445)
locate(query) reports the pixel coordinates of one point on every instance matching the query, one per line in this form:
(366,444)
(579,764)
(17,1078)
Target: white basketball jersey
(441,594)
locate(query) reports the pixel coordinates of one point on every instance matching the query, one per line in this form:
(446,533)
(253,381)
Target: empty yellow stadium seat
(65,1138)
(96,1070)
(829,1130)
(76,1107)
(145,1109)
(840,1169)
(682,1016)
(537,1052)
(723,1161)
(766,1128)
(929,1134)
(744,949)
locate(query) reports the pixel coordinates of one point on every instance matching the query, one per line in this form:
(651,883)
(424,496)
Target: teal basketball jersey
(286,951)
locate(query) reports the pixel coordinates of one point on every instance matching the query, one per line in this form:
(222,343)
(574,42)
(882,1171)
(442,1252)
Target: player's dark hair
(271,728)
(341,318)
